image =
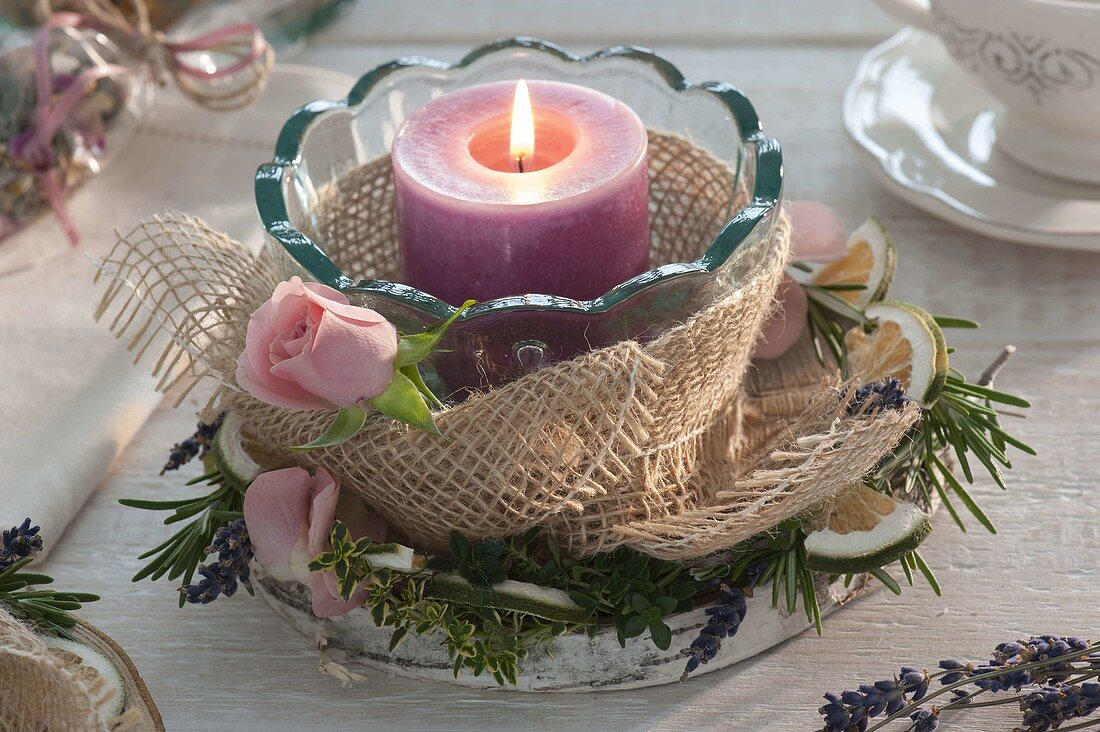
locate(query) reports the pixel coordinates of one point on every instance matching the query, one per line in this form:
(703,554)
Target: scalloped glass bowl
(499,340)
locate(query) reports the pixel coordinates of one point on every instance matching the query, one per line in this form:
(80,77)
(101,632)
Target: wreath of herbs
(623,589)
(47,610)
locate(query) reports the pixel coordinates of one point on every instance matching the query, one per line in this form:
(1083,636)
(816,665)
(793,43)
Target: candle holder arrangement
(326,201)
(535,491)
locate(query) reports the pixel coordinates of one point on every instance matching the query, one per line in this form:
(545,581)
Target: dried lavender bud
(222,577)
(723,621)
(879,396)
(194,446)
(1048,707)
(926,720)
(19,542)
(887,696)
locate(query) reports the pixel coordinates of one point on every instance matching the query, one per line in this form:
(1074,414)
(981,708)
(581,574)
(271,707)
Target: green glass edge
(765,196)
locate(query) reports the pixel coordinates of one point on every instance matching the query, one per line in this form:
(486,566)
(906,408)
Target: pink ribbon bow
(33,148)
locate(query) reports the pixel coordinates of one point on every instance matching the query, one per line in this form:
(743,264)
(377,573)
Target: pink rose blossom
(817,236)
(308,348)
(289,514)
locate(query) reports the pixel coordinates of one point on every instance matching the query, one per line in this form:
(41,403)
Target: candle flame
(522,142)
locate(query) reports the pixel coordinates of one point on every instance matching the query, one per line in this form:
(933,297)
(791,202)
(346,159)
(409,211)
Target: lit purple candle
(503,192)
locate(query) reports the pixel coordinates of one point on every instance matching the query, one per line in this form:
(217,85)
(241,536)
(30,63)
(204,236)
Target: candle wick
(519,162)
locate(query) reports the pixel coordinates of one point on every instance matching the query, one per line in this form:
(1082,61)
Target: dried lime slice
(905,343)
(229,456)
(861,529)
(91,662)
(870,262)
(524,597)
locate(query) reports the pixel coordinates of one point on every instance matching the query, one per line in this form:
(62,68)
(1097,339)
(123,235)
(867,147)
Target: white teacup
(1041,60)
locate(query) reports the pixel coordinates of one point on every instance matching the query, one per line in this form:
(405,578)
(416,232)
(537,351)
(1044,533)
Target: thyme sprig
(633,591)
(481,640)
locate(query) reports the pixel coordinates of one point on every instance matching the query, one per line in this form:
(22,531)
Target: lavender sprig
(1054,673)
(222,577)
(724,619)
(194,446)
(18,543)
(852,709)
(1008,657)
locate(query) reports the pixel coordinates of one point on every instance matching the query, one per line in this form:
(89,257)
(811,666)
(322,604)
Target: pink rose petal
(276,511)
(786,324)
(322,512)
(817,233)
(289,514)
(327,602)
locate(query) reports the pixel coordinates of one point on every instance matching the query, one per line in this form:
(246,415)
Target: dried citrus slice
(90,663)
(870,262)
(861,529)
(229,456)
(905,343)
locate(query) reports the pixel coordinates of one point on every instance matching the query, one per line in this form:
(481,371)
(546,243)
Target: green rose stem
(407,398)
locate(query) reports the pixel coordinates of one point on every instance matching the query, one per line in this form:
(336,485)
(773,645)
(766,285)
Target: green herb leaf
(348,422)
(947,321)
(880,574)
(661,634)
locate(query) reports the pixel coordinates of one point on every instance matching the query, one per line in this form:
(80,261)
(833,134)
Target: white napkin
(70,398)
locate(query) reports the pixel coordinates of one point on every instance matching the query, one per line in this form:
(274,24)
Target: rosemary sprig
(49,610)
(965,421)
(180,555)
(829,318)
(778,558)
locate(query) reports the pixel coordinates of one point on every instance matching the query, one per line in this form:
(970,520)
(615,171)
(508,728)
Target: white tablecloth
(70,400)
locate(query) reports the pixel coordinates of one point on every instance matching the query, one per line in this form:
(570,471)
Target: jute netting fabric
(639,444)
(42,689)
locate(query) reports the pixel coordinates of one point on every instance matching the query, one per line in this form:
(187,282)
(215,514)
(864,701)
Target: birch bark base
(576,663)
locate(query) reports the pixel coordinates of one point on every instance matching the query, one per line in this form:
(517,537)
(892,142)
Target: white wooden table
(234,665)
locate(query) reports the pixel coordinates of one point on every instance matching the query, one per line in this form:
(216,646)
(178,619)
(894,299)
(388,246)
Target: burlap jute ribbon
(636,444)
(48,691)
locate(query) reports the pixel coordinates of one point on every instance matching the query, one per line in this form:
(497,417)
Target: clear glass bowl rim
(765,196)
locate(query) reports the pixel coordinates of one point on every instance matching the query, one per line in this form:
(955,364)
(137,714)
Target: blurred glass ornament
(285,23)
(100,90)
(73,89)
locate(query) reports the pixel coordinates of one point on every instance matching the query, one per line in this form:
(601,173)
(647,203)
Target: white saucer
(929,127)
